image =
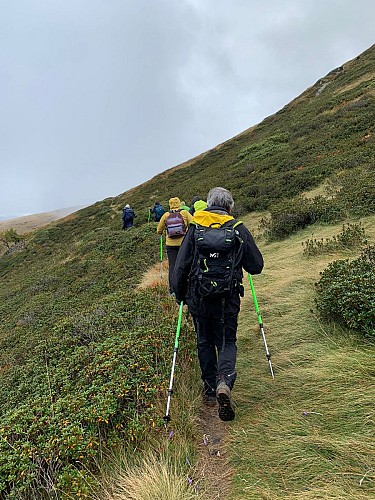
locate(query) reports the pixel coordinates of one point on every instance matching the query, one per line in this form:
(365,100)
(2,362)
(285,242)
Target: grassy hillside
(29,223)
(85,353)
(307,434)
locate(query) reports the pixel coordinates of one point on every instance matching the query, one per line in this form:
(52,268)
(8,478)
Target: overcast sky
(97,96)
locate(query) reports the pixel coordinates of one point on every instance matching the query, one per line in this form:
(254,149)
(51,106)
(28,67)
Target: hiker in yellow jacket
(176,223)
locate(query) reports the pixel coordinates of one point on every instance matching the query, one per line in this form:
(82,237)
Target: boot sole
(226,411)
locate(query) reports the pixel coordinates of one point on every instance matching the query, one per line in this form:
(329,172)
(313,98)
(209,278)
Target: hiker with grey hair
(208,277)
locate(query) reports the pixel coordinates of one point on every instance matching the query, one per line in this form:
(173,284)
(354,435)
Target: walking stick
(260,323)
(149,216)
(161,256)
(167,416)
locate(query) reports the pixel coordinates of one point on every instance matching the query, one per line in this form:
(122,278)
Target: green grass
(278,450)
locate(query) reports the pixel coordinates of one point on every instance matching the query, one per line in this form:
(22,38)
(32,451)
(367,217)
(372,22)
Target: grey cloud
(98,96)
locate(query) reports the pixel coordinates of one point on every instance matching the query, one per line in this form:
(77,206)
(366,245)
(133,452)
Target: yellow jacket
(174,204)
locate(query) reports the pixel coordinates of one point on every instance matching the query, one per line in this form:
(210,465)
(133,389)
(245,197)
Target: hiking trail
(212,471)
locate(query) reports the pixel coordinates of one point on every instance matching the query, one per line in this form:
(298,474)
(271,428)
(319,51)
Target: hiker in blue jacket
(128,216)
(158,211)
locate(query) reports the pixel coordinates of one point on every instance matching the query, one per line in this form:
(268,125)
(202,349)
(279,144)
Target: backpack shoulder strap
(237,223)
(233,223)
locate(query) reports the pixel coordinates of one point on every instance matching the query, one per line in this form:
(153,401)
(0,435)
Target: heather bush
(351,236)
(346,292)
(288,217)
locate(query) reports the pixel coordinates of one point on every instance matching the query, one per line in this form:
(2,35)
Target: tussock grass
(310,432)
(154,276)
(164,465)
(151,478)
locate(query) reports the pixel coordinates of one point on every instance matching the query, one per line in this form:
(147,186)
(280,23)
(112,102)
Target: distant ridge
(28,223)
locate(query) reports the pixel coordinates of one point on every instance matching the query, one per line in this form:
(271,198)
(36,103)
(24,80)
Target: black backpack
(175,224)
(218,250)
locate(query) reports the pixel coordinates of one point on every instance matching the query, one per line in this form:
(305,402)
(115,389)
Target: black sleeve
(252,260)
(183,265)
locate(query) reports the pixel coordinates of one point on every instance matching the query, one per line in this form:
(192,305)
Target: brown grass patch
(153,277)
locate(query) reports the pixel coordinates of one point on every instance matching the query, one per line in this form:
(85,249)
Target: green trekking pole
(149,216)
(161,256)
(260,323)
(167,416)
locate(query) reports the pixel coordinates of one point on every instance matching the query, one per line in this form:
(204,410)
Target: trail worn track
(213,473)
(213,466)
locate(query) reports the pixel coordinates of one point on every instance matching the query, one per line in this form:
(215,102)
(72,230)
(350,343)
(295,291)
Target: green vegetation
(351,236)
(346,292)
(85,354)
(318,135)
(308,433)
(9,237)
(351,194)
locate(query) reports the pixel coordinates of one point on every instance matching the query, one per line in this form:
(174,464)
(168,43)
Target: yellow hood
(175,203)
(204,218)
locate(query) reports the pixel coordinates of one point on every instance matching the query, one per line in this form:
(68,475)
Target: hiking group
(207,250)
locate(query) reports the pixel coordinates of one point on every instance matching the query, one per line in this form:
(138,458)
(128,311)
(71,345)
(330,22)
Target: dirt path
(212,469)
(213,465)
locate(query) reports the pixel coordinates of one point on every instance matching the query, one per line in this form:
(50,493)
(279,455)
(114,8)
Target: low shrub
(356,191)
(352,195)
(91,385)
(351,236)
(83,356)
(346,292)
(288,217)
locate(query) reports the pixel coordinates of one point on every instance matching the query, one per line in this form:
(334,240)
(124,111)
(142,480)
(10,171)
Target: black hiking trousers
(172,252)
(217,350)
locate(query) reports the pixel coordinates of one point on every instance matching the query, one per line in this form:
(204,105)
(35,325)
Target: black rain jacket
(183,285)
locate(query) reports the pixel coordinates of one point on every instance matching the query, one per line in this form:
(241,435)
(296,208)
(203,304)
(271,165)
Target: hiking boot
(209,399)
(209,395)
(223,396)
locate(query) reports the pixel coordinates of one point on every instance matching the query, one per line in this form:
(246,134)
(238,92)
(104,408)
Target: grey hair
(220,197)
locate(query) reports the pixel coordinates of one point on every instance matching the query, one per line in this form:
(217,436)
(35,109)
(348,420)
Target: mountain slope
(308,433)
(84,354)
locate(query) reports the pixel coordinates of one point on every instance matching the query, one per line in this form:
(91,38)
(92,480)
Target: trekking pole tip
(166,419)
